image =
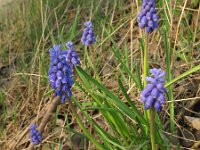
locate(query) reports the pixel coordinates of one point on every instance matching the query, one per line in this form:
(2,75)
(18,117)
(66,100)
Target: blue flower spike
(88,37)
(60,72)
(71,55)
(35,135)
(154,93)
(148,17)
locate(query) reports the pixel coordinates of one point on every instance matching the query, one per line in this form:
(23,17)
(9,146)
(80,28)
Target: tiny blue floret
(153,94)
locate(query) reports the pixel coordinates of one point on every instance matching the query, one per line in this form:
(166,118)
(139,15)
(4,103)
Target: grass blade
(183,75)
(169,78)
(115,99)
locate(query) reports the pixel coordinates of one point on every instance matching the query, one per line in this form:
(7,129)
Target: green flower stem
(150,113)
(84,56)
(90,137)
(145,71)
(92,63)
(152,127)
(145,63)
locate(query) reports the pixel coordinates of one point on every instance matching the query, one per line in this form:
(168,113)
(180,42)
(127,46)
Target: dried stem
(46,118)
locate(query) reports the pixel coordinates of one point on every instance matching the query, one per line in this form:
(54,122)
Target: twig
(46,118)
(196,145)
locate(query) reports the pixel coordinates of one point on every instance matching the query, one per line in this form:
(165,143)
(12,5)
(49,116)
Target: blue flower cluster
(148,17)
(60,73)
(154,92)
(88,36)
(35,135)
(71,55)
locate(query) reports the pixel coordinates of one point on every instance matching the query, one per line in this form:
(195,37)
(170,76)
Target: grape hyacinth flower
(71,56)
(154,93)
(148,17)
(35,135)
(60,73)
(88,36)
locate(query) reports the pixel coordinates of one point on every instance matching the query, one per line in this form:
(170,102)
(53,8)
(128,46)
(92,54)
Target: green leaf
(114,119)
(185,74)
(169,77)
(123,107)
(134,108)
